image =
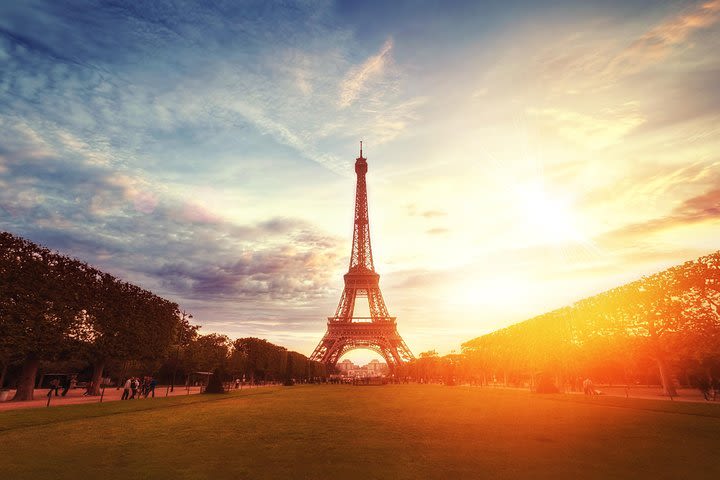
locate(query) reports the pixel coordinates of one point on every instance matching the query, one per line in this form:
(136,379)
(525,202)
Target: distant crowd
(135,387)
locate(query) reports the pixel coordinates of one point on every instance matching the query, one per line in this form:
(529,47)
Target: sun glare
(549,217)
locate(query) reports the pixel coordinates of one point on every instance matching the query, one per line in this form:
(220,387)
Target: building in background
(375,368)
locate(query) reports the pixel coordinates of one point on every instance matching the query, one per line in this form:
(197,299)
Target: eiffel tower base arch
(380,337)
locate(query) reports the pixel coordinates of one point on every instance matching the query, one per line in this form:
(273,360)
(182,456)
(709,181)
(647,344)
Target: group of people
(135,387)
(68,383)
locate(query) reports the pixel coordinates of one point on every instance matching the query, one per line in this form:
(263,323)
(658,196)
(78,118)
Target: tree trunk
(98,368)
(26,384)
(2,375)
(665,378)
(123,375)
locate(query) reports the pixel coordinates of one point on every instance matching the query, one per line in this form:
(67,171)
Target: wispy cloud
(598,130)
(660,41)
(433,213)
(105,144)
(603,54)
(260,80)
(704,208)
(115,218)
(357,79)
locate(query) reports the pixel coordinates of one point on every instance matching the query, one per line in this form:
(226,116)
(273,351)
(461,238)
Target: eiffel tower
(346,332)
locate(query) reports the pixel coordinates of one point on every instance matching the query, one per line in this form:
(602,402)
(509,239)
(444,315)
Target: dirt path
(75,396)
(651,393)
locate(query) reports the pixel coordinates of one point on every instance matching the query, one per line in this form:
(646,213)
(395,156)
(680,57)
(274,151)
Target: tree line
(249,358)
(663,327)
(58,312)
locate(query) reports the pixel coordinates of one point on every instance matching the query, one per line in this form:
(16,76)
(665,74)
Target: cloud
(189,147)
(600,129)
(650,187)
(128,226)
(413,211)
(433,213)
(610,55)
(694,210)
(659,42)
(115,119)
(357,79)
(280,274)
(248,74)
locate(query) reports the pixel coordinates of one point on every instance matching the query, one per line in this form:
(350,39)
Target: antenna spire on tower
(361,149)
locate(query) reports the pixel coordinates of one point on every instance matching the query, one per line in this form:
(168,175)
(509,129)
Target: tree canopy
(54,308)
(670,318)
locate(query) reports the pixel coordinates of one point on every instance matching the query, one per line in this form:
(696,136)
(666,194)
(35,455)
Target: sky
(521,156)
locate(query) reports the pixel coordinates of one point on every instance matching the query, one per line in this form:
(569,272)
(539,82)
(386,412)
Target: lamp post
(185,316)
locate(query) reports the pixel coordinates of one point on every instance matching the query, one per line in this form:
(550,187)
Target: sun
(548,218)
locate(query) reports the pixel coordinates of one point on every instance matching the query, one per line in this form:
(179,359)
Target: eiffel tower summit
(345,331)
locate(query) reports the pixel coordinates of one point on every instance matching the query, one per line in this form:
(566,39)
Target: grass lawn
(345,432)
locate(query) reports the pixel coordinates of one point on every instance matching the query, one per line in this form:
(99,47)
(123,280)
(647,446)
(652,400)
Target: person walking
(89,389)
(54,386)
(66,386)
(588,387)
(134,387)
(126,389)
(152,385)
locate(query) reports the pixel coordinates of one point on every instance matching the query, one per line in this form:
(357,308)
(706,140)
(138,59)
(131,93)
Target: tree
(237,362)
(126,322)
(215,383)
(264,360)
(53,306)
(206,353)
(41,303)
(184,335)
(672,318)
(289,374)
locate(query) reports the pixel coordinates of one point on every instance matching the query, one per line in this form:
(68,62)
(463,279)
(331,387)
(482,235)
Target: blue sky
(521,156)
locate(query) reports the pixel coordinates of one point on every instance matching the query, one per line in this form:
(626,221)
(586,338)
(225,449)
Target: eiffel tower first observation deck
(345,331)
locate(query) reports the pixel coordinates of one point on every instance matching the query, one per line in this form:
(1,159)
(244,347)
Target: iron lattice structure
(345,331)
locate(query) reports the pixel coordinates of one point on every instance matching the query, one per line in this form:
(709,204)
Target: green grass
(345,432)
